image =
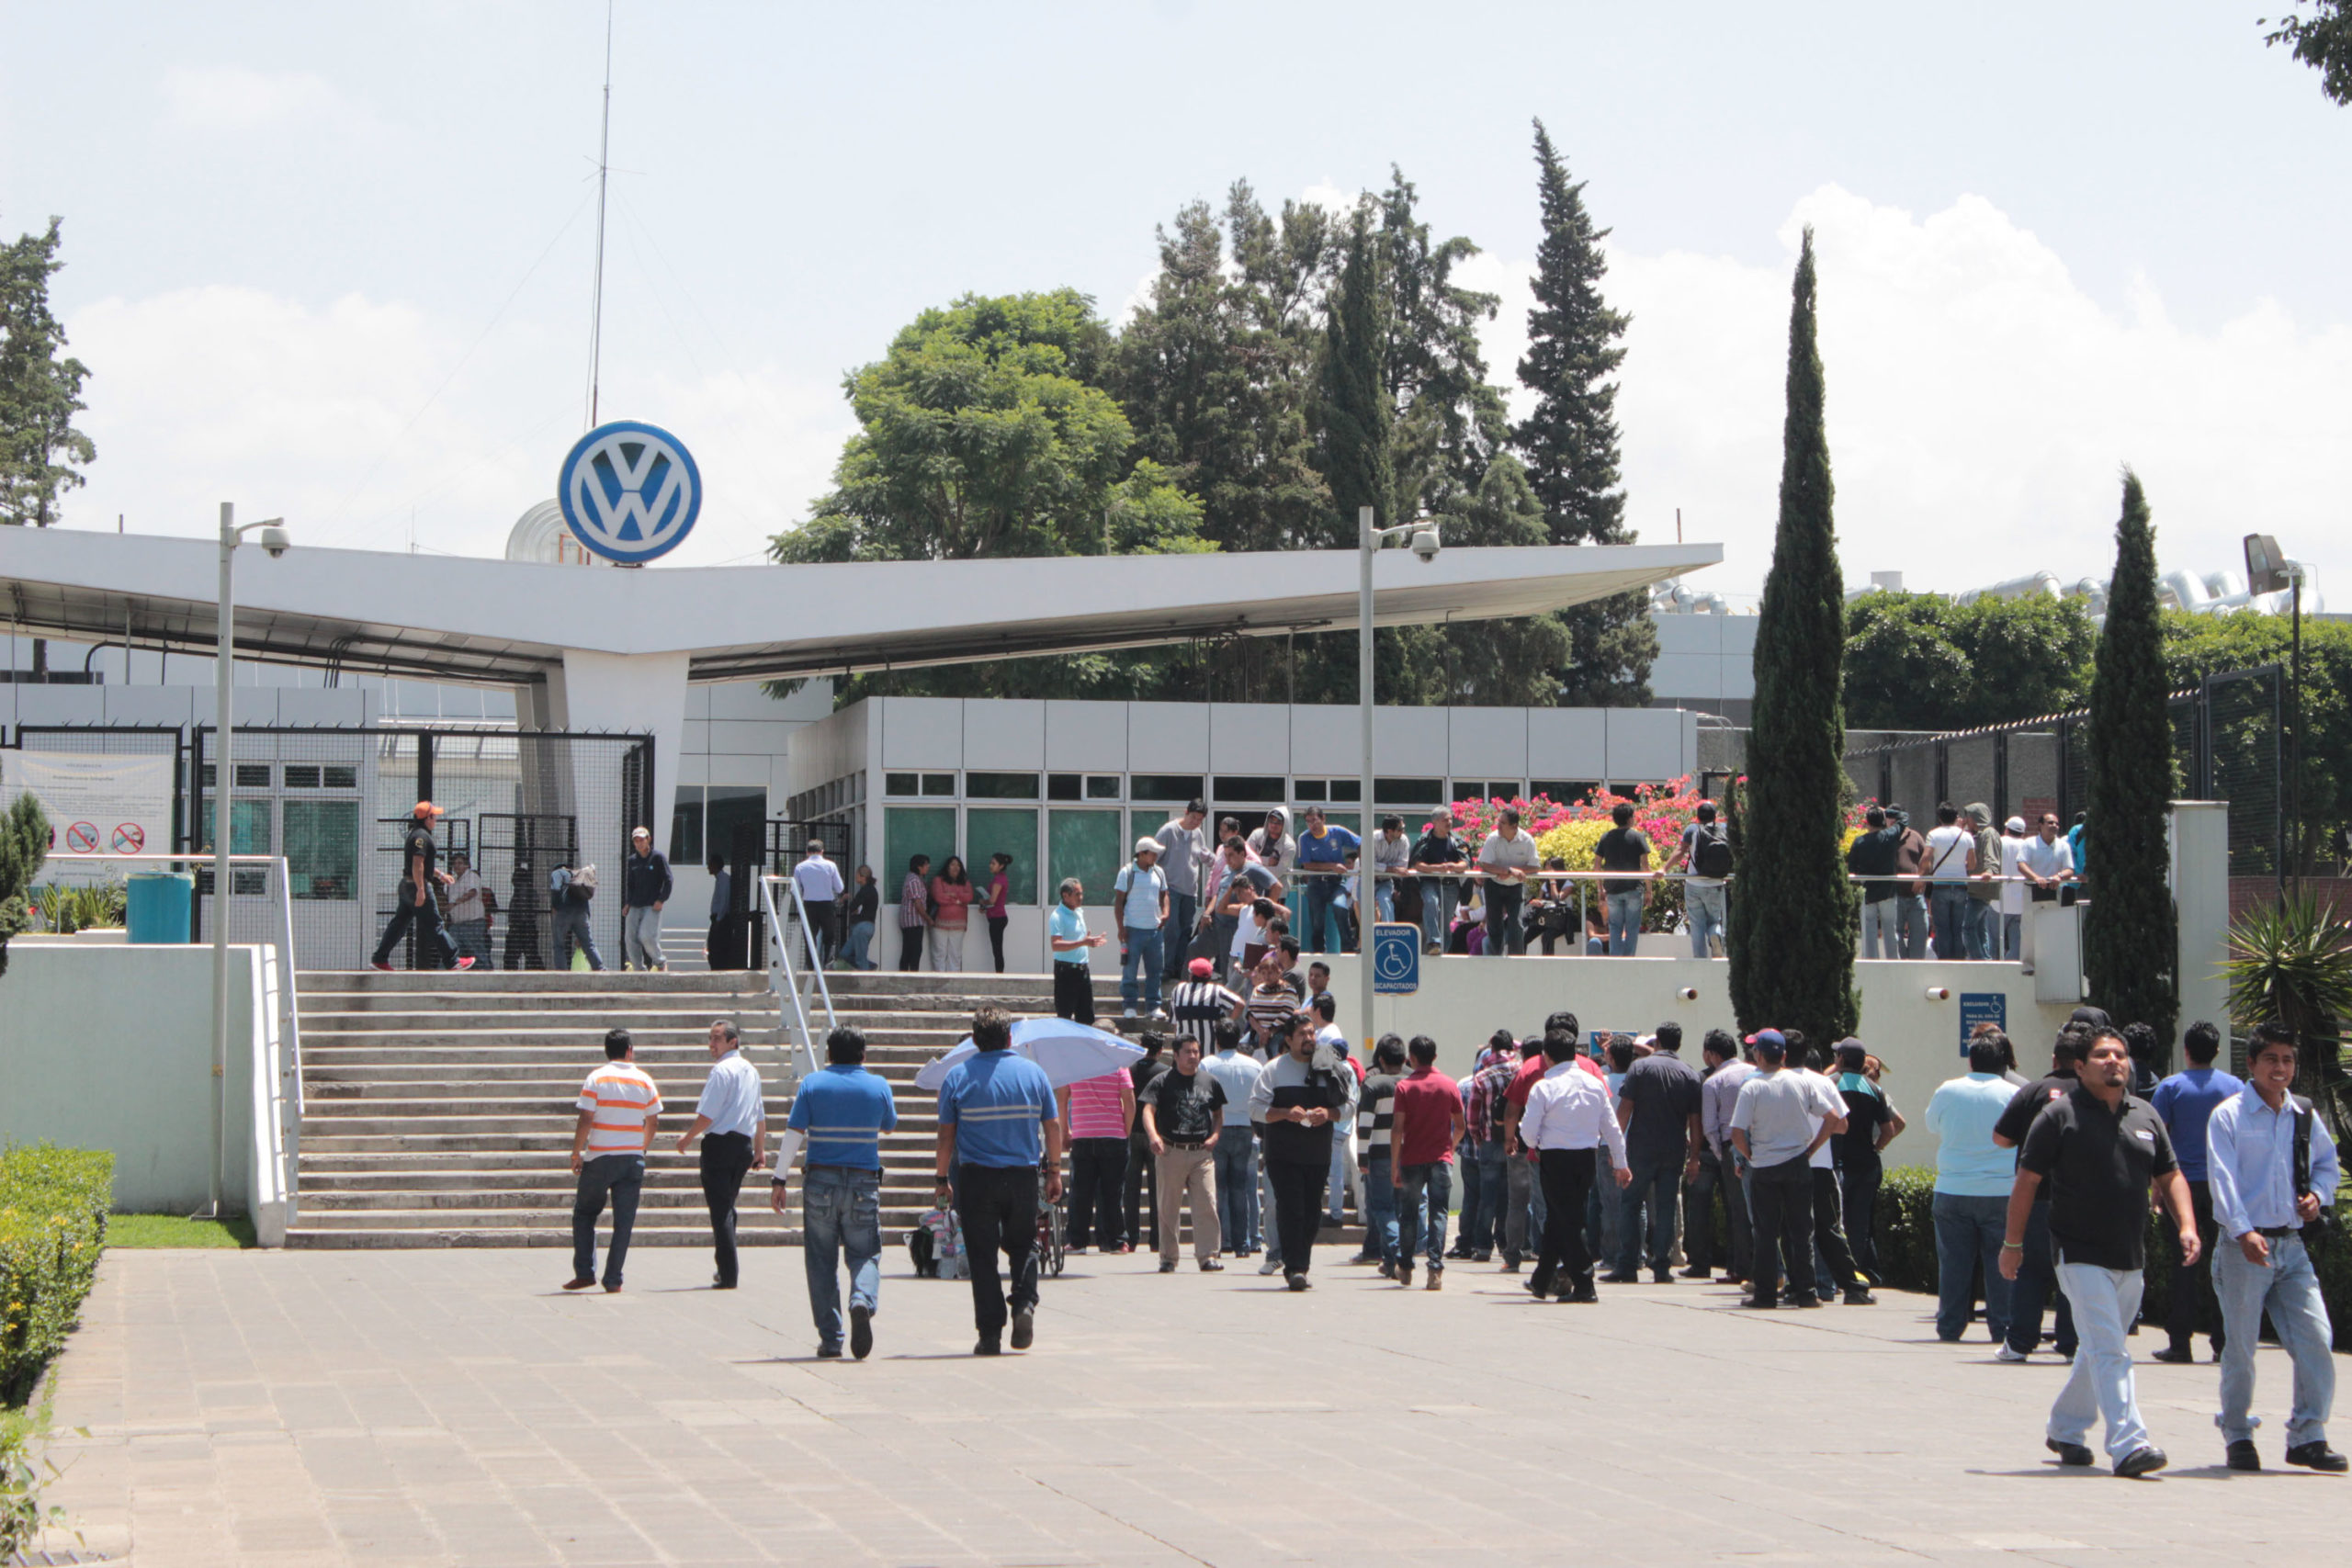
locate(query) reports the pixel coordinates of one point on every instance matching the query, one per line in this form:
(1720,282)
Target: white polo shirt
(622,1097)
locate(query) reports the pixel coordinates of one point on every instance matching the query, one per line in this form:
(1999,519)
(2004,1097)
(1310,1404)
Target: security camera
(1425,543)
(276,542)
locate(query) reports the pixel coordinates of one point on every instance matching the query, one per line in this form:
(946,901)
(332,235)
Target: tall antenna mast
(603,173)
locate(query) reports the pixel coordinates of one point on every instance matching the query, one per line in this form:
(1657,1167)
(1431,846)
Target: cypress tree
(1569,439)
(1357,416)
(2130,927)
(1793,921)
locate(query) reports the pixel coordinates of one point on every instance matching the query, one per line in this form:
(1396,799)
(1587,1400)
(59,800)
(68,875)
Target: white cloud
(1981,403)
(234,98)
(361,419)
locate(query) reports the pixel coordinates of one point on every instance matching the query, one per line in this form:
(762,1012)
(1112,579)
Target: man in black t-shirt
(412,900)
(1623,848)
(2037,1279)
(1657,1105)
(1181,1110)
(2099,1150)
(1438,850)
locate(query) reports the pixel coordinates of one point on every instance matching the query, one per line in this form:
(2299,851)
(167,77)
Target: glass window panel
(1000,787)
(901,784)
(731,808)
(1352,820)
(1084,844)
(989,829)
(301,776)
(322,848)
(1245,790)
(1179,788)
(1347,789)
(252,775)
(1407,792)
(1101,786)
(249,828)
(1063,787)
(1310,789)
(939,783)
(1567,792)
(910,830)
(339,777)
(685,826)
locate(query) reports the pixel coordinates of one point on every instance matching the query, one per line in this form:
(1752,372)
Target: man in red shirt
(1426,1124)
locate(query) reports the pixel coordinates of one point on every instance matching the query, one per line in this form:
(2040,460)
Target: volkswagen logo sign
(629,492)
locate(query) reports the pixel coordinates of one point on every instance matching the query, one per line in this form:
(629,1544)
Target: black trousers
(1073,992)
(820,929)
(2193,1306)
(1505,933)
(1098,1174)
(433,949)
(997,1206)
(1858,1180)
(1781,1215)
(1298,1209)
(1829,1233)
(996,938)
(910,947)
(1567,1177)
(726,1157)
(1142,1186)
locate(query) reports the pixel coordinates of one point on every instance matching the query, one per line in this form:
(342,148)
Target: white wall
(1464,1001)
(110,1047)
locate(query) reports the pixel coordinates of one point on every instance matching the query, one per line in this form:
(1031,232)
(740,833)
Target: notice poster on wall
(97,804)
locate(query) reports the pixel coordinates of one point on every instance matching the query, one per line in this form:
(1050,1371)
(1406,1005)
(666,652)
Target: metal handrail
(783,982)
(291,1037)
(816,951)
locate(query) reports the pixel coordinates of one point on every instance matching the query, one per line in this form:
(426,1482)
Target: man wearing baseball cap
(412,900)
(1139,902)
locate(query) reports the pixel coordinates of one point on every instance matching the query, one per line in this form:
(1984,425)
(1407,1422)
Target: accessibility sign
(1396,958)
(1982,1007)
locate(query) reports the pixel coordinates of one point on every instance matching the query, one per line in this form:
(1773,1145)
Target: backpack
(1711,852)
(581,886)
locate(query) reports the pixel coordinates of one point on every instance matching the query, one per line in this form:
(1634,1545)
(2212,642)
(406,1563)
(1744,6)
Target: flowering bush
(53,1206)
(1569,831)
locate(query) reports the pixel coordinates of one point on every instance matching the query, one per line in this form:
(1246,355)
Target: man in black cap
(2037,1280)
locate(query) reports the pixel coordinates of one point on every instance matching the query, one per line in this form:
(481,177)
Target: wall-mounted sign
(629,492)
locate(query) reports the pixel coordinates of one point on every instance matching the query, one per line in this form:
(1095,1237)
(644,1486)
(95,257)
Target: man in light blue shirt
(1973,1175)
(997,1123)
(2262,1201)
(731,1121)
(1323,852)
(1139,902)
(2187,1101)
(843,1112)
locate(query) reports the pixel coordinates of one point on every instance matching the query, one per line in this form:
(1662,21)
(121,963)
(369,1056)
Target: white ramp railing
(804,1001)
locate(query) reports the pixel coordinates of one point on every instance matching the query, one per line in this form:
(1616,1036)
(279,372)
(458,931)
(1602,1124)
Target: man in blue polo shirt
(1323,853)
(2187,1101)
(997,1123)
(843,1111)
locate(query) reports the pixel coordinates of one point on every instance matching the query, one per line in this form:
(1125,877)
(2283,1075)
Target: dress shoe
(988,1346)
(2178,1358)
(2243,1455)
(829,1352)
(2317,1455)
(1210,1265)
(1758,1304)
(860,1331)
(1619,1277)
(1661,1277)
(1584,1294)
(1696,1273)
(585,1282)
(2072,1454)
(1858,1297)
(1025,1328)
(2141,1461)
(1168,1266)
(1808,1301)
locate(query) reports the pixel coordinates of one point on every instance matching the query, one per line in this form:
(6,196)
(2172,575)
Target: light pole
(273,540)
(2267,571)
(1423,538)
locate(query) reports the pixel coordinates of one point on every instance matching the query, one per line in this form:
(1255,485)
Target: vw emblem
(629,492)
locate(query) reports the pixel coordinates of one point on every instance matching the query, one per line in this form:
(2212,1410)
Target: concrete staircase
(438,1107)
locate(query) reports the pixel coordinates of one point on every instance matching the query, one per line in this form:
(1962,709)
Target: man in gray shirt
(1773,1126)
(1185,857)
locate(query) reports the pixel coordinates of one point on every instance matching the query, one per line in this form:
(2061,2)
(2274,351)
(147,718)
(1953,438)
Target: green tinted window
(988,830)
(1084,844)
(909,830)
(322,848)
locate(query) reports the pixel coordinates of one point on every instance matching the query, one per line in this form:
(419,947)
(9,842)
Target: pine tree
(40,452)
(2130,927)
(1358,418)
(24,845)
(1569,440)
(1794,922)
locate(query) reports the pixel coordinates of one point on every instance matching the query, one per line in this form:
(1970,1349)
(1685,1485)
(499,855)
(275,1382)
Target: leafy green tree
(1793,921)
(1569,439)
(2321,40)
(1921,661)
(2131,929)
(985,432)
(24,845)
(40,387)
(1449,418)
(1358,415)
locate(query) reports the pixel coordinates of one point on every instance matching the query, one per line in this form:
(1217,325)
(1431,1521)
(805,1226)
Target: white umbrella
(1069,1051)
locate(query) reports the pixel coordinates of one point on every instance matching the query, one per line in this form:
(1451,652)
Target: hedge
(53,1206)
(1906,1251)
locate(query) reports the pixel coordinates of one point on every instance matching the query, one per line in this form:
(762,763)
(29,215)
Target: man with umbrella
(998,1124)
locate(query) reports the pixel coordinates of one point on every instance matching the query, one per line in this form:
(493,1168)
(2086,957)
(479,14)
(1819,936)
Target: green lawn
(174,1230)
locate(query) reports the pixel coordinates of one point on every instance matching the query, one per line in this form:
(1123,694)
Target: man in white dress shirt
(1568,1117)
(821,889)
(732,1120)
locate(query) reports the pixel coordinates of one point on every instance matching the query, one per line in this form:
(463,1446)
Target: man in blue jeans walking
(1426,1123)
(2036,1283)
(1974,1175)
(1139,903)
(1375,1115)
(618,1107)
(843,1111)
(1237,1144)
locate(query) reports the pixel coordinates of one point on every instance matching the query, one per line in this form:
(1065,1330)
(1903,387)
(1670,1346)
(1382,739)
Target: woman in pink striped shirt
(1099,1112)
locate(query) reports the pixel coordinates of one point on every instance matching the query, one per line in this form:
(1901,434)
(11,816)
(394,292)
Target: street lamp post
(2267,571)
(273,540)
(1423,536)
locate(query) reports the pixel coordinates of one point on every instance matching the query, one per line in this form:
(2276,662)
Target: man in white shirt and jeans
(1948,863)
(1139,900)
(1507,858)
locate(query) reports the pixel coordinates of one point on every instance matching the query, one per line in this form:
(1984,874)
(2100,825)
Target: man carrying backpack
(1706,856)
(570,888)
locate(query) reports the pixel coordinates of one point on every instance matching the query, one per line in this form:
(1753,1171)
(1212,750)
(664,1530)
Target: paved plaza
(310,1408)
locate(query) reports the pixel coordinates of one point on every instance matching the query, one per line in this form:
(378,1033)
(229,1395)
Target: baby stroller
(937,1245)
(1052,1241)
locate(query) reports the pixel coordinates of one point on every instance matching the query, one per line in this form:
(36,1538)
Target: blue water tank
(160,904)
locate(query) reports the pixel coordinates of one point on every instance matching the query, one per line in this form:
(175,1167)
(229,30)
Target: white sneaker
(2006,1354)
(1273,1265)
(1126,1012)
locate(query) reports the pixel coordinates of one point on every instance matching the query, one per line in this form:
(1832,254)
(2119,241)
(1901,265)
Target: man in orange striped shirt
(618,1106)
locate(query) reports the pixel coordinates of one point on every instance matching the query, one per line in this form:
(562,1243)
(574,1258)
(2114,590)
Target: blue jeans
(1176,932)
(2036,1283)
(840,1212)
(1948,907)
(1322,933)
(1440,898)
(2013,937)
(1142,959)
(858,943)
(1236,1187)
(1968,1236)
(1981,918)
(1702,903)
(1625,923)
(620,1178)
(1379,1212)
(2106,1304)
(1384,899)
(1911,921)
(1485,1189)
(2289,1291)
(1657,1183)
(1425,1204)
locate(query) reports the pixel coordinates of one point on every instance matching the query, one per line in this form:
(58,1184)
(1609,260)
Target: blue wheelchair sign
(1396,958)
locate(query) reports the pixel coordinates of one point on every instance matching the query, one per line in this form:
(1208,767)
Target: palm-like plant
(2291,963)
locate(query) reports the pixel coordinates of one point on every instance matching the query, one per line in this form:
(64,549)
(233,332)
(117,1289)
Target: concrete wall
(1464,1001)
(110,1047)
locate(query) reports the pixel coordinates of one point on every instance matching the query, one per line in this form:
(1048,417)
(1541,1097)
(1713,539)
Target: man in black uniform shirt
(412,900)
(2038,1278)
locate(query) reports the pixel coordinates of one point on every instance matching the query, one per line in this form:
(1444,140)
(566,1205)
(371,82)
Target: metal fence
(335,804)
(2226,746)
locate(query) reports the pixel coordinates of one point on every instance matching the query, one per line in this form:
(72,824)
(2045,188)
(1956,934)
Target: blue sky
(335,263)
